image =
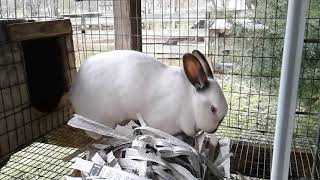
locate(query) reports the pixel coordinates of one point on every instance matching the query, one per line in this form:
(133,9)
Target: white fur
(114,86)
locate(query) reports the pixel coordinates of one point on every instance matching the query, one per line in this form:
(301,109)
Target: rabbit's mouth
(197,131)
(213,131)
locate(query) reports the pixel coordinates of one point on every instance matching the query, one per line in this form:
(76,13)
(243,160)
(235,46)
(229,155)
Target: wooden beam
(127,24)
(3,32)
(42,29)
(3,28)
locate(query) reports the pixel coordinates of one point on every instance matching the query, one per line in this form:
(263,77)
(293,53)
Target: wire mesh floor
(252,156)
(43,158)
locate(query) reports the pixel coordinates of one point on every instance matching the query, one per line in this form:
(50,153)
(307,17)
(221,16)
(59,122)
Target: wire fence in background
(243,40)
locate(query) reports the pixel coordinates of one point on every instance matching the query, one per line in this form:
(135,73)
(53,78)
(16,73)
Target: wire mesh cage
(242,39)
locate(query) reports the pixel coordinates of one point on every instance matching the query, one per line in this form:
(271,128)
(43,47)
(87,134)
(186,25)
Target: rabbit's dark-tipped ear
(194,71)
(203,62)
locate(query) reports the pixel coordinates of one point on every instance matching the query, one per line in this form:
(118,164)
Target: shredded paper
(140,152)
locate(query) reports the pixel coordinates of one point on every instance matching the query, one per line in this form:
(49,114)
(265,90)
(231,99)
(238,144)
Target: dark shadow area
(45,76)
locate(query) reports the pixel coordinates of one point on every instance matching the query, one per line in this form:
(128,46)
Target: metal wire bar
(285,114)
(248,35)
(43,158)
(315,155)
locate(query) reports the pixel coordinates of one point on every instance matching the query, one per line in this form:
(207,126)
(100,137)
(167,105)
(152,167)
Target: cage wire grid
(243,42)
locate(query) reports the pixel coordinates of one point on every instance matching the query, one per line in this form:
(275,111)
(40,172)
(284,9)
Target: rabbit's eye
(213,109)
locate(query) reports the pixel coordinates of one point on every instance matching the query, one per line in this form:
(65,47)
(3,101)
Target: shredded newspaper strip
(140,152)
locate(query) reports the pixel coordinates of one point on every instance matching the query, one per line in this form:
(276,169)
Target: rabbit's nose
(214,109)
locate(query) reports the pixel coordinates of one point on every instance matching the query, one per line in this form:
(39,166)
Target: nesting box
(37,65)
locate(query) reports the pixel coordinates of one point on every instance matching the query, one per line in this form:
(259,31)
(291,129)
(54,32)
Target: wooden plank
(13,140)
(4,145)
(3,37)
(40,29)
(127,24)
(3,28)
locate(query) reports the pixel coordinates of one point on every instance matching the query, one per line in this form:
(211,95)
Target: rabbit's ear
(194,71)
(203,62)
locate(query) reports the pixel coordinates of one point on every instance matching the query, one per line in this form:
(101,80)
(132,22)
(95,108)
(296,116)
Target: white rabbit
(112,87)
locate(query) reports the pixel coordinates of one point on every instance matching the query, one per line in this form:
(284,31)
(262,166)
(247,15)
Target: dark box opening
(45,75)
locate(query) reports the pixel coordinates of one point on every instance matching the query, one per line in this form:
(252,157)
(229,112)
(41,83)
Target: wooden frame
(34,30)
(20,122)
(127,24)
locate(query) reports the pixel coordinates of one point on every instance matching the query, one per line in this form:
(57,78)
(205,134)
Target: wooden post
(127,24)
